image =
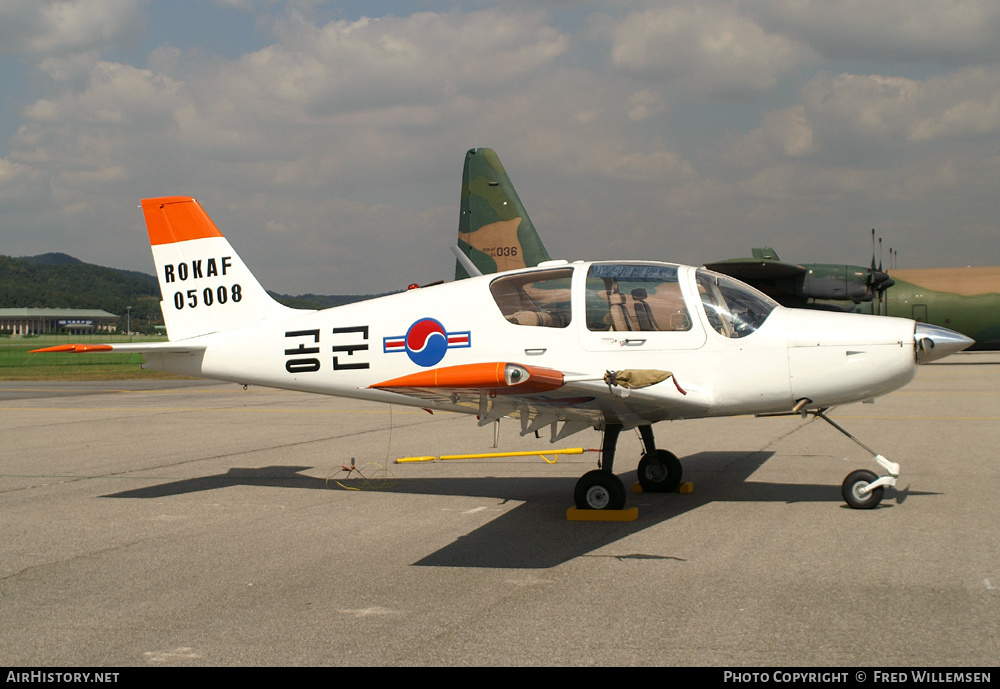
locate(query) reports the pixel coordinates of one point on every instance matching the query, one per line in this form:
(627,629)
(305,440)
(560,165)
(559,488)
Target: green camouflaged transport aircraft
(966,300)
(495,234)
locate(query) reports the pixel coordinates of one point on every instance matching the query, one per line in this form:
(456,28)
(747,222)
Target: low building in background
(29,321)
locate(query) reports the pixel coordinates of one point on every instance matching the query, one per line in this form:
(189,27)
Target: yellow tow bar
(487,455)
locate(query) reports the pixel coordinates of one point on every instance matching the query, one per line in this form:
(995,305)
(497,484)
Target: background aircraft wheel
(599,490)
(854,482)
(662,477)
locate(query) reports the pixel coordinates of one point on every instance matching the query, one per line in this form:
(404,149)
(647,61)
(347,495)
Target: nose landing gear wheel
(599,490)
(853,484)
(661,476)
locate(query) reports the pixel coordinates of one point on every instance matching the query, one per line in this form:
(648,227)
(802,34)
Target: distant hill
(57,280)
(51,259)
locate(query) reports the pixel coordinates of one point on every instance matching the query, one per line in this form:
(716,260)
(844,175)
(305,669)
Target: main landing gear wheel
(663,476)
(854,483)
(599,490)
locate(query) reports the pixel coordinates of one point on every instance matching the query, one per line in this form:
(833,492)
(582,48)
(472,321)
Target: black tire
(662,477)
(599,490)
(860,479)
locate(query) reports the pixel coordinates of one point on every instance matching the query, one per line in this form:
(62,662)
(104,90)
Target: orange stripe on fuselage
(176,219)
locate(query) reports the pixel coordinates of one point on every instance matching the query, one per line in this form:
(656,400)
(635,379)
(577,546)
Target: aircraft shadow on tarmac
(536,533)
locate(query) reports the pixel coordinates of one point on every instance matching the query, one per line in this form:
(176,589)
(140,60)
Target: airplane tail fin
(204,284)
(494,230)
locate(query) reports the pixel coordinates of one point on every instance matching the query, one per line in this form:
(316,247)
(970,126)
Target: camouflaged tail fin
(494,230)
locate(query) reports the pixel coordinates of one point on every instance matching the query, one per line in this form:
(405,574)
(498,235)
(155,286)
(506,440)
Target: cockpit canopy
(645,297)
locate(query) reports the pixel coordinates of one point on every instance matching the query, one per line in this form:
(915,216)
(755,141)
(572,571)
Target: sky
(326,139)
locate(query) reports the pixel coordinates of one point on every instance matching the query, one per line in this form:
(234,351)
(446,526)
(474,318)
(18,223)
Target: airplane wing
(794,285)
(751,270)
(780,280)
(125,347)
(542,397)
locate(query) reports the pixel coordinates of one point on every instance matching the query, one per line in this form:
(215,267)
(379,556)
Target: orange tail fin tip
(177,219)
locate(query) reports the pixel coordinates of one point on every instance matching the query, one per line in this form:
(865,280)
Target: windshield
(733,308)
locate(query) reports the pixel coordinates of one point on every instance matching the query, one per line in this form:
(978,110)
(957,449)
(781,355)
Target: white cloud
(884,120)
(343,110)
(62,27)
(953,32)
(709,49)
(332,69)
(644,104)
(879,113)
(658,166)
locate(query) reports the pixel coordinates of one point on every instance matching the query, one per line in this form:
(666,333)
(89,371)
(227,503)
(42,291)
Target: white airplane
(604,345)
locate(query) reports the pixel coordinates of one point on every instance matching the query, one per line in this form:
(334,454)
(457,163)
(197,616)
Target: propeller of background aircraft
(878,280)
